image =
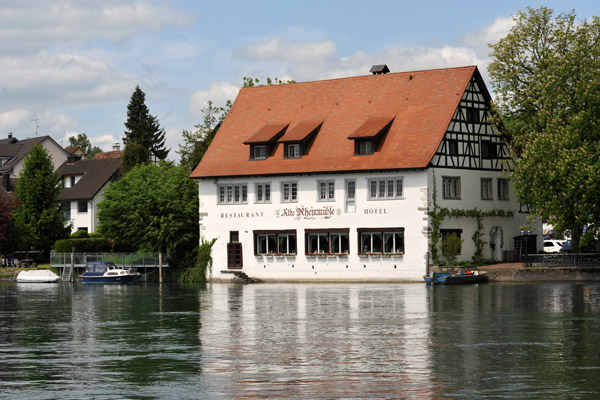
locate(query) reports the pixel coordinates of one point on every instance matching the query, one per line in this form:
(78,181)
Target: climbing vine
(437,215)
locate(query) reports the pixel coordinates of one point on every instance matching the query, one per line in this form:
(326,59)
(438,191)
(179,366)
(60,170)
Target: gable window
(381,240)
(364,147)
(451,187)
(326,190)
(503,193)
(292,150)
(452,147)
(488,149)
(259,151)
(473,115)
(263,192)
(486,189)
(233,194)
(289,192)
(275,242)
(385,188)
(82,207)
(334,241)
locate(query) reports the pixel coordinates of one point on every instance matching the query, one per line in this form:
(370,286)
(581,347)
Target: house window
(82,207)
(381,240)
(489,150)
(292,150)
(82,229)
(486,189)
(275,242)
(67,213)
(473,116)
(364,147)
(326,190)
(259,151)
(289,192)
(72,181)
(263,193)
(327,241)
(452,147)
(385,188)
(503,189)
(350,195)
(451,187)
(233,194)
(445,233)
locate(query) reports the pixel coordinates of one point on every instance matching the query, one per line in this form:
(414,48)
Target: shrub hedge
(82,245)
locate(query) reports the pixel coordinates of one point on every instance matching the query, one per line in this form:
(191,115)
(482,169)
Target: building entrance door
(234,251)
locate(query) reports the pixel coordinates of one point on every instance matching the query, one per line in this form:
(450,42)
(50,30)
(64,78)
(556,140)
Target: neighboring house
(12,156)
(76,151)
(84,182)
(335,180)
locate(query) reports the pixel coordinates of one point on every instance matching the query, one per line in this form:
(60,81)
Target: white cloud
(30,26)
(61,80)
(13,118)
(480,40)
(218,93)
(292,51)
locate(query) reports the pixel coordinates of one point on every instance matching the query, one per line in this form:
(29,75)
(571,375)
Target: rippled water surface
(299,341)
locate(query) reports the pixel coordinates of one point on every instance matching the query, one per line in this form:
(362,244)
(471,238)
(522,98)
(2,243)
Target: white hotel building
(333,180)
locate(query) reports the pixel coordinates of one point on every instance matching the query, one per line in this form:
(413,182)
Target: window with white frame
(503,193)
(263,193)
(385,188)
(292,150)
(319,241)
(364,147)
(381,240)
(486,189)
(350,195)
(451,187)
(289,192)
(82,207)
(326,190)
(259,151)
(233,193)
(275,242)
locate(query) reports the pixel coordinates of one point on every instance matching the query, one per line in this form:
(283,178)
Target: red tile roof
(422,104)
(108,154)
(267,133)
(371,128)
(300,131)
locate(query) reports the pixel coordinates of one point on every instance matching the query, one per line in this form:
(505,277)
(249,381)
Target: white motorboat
(37,276)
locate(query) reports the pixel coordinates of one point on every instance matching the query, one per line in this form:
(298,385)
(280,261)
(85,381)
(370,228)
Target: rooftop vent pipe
(379,69)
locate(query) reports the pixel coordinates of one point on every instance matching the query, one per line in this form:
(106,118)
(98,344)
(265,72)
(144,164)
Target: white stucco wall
(216,221)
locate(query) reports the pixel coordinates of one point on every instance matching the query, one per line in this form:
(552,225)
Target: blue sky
(73,65)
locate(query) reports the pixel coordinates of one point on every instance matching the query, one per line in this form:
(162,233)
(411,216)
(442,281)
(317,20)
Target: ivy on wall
(437,215)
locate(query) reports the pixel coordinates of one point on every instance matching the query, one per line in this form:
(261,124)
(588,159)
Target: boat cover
(38,275)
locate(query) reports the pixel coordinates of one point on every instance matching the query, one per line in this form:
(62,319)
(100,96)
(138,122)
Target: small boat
(38,276)
(106,272)
(446,278)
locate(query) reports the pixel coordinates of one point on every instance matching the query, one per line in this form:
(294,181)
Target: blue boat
(446,278)
(106,272)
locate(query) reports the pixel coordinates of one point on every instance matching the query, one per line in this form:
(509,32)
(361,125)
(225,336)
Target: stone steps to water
(245,279)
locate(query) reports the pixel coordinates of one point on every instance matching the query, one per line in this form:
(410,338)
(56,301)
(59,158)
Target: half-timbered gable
(471,140)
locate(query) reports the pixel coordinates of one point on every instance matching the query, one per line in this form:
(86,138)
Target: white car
(553,245)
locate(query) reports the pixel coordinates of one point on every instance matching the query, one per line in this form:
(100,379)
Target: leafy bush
(82,245)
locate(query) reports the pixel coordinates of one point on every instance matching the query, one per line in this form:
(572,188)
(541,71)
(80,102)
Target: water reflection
(300,341)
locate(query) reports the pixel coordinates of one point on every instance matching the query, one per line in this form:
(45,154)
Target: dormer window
(259,151)
(293,150)
(263,142)
(370,135)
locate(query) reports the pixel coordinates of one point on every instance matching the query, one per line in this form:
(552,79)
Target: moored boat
(446,278)
(106,272)
(38,276)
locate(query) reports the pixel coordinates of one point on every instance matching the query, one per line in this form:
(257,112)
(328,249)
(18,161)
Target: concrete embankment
(516,272)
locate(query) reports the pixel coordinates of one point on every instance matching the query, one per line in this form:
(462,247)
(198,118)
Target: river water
(299,341)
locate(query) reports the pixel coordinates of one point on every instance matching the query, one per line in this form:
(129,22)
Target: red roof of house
(420,103)
(108,154)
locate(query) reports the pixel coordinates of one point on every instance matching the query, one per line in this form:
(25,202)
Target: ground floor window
(275,242)
(447,233)
(381,240)
(331,241)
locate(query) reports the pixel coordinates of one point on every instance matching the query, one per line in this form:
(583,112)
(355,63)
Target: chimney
(379,69)
(10,135)
(116,147)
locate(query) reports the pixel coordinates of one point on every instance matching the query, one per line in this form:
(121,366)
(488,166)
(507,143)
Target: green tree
(82,140)
(7,207)
(451,246)
(546,76)
(196,142)
(154,207)
(39,219)
(134,154)
(142,127)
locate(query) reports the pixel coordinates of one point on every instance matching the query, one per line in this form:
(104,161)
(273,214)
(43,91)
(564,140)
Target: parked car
(566,247)
(553,245)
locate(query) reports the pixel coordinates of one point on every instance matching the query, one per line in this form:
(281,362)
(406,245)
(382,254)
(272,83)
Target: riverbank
(516,272)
